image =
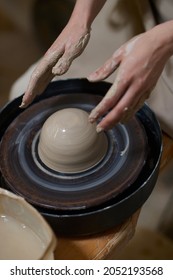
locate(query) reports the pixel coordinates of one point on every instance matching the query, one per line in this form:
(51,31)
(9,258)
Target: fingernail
(93,115)
(56,71)
(91,120)
(92,77)
(22,105)
(59,71)
(99,129)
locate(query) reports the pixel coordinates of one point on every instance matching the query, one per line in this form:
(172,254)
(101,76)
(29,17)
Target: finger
(127,116)
(107,69)
(141,102)
(122,111)
(104,71)
(35,89)
(132,112)
(62,65)
(110,100)
(135,107)
(40,77)
(116,115)
(71,52)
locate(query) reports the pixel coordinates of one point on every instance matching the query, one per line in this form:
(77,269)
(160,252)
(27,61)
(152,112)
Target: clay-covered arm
(68,45)
(140,63)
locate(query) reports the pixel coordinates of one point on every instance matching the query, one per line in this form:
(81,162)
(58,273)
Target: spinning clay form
(69,143)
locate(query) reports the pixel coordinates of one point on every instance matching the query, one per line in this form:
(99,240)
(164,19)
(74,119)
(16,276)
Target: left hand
(140,61)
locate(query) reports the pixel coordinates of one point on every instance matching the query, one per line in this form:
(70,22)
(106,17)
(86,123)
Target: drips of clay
(69,143)
(24,234)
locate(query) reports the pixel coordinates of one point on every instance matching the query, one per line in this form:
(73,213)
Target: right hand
(141,61)
(57,60)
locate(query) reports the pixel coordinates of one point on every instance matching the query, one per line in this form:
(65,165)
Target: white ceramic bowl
(24,234)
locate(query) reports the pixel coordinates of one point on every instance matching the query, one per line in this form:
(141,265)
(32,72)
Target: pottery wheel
(25,174)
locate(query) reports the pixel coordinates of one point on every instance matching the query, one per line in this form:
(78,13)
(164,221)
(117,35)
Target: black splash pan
(102,214)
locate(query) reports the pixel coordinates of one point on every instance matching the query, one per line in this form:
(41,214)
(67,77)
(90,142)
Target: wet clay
(69,142)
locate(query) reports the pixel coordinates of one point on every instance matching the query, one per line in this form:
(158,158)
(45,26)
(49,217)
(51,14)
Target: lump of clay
(69,143)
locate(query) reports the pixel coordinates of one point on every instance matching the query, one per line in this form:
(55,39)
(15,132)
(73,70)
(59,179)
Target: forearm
(68,45)
(85,11)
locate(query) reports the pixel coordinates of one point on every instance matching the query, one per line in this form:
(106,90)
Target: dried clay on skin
(72,52)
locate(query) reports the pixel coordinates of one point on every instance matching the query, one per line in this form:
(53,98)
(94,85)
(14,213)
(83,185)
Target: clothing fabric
(161,100)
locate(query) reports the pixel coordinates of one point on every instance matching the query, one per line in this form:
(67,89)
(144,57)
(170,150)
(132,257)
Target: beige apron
(145,14)
(161,100)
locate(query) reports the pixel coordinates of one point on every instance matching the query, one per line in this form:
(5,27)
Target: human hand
(57,60)
(140,61)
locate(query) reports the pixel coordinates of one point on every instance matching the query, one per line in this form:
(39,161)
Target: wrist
(85,12)
(163,37)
